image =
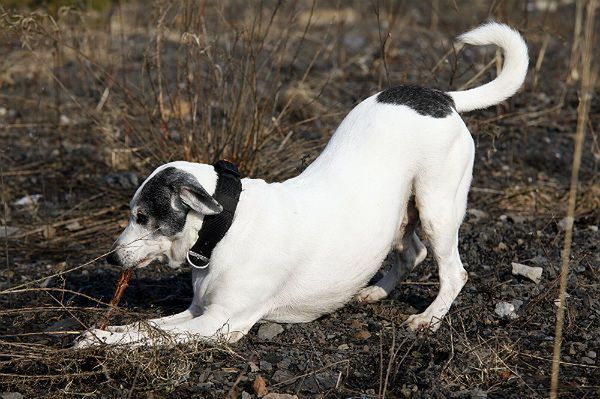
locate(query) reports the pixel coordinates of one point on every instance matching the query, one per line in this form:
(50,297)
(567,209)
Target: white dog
(304,247)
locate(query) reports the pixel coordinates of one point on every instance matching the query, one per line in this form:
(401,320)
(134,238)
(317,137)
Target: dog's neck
(214,227)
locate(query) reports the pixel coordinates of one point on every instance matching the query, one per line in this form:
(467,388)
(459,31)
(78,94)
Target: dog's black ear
(199,200)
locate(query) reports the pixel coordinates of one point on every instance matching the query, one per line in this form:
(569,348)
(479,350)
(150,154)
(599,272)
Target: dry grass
(262,85)
(588,78)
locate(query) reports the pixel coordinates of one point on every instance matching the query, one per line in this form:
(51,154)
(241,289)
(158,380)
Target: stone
(282,376)
(362,335)
(517,218)
(587,360)
(259,386)
(517,303)
(279,396)
(531,272)
(11,395)
(478,394)
(67,324)
(127,180)
(477,214)
(268,331)
(265,366)
(539,260)
(505,310)
(7,231)
(562,225)
(28,200)
(321,381)
(285,363)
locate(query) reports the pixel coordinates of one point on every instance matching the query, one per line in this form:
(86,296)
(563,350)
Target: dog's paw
(93,337)
(371,294)
(422,322)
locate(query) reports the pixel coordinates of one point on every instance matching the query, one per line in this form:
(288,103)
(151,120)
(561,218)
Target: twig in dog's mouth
(122,284)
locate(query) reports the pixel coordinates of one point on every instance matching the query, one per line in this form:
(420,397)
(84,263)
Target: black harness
(214,227)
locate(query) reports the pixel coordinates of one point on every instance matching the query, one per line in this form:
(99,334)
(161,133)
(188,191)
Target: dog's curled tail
(513,71)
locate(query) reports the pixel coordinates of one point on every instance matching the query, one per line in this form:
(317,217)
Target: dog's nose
(113,259)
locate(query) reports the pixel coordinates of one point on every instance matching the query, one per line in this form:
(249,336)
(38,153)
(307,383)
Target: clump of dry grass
(201,81)
(225,92)
(30,367)
(549,199)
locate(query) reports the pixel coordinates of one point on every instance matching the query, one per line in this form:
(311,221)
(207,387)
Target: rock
(47,282)
(343,347)
(477,214)
(328,379)
(265,366)
(505,310)
(246,395)
(591,354)
(282,376)
(7,231)
(28,200)
(285,363)
(127,180)
(539,260)
(11,395)
(68,324)
(73,226)
(516,218)
(259,386)
(362,335)
(562,225)
(557,300)
(501,247)
(531,272)
(478,394)
(354,42)
(587,360)
(268,331)
(356,323)
(280,396)
(517,303)
(321,381)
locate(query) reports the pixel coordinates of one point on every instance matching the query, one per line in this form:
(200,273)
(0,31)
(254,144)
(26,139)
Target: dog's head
(166,214)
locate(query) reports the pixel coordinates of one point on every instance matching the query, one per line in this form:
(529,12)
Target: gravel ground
(516,211)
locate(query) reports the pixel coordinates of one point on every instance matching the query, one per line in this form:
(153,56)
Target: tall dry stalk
(588,75)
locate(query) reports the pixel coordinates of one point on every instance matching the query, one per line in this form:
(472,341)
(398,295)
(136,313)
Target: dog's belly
(330,279)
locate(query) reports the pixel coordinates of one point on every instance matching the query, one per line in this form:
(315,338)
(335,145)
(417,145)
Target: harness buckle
(198,258)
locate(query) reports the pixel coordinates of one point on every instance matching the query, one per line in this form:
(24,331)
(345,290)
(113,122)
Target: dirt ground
(92,99)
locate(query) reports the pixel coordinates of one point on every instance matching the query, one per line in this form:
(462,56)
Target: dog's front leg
(187,314)
(214,324)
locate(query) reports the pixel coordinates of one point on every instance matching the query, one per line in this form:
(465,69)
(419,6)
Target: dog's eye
(141,218)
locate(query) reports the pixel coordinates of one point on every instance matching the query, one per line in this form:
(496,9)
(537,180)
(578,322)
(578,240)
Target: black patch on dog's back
(425,101)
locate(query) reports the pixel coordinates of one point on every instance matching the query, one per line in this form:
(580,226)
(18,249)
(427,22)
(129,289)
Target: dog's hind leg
(441,195)
(407,253)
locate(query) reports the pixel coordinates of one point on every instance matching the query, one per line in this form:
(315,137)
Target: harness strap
(214,227)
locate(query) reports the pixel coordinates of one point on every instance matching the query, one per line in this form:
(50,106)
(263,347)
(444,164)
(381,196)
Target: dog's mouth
(160,260)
